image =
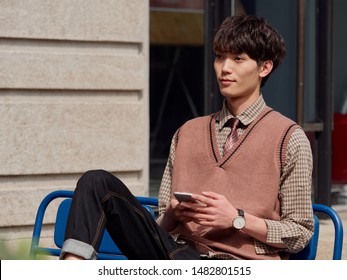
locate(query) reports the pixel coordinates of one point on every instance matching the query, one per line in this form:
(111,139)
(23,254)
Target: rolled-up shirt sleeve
(165,187)
(295,227)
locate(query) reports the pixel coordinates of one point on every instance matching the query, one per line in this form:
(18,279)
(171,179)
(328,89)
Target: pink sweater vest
(248,175)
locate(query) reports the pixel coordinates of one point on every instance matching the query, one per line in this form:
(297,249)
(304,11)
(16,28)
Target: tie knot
(232,123)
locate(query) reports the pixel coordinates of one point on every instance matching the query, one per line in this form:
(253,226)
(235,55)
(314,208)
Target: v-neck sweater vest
(248,175)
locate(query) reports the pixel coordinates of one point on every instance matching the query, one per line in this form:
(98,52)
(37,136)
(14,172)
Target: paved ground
(326,236)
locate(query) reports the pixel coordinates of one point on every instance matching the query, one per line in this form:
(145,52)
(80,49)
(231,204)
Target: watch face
(239,222)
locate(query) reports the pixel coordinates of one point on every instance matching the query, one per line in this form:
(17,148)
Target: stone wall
(73,97)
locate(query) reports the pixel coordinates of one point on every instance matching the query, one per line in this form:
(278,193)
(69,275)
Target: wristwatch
(239,222)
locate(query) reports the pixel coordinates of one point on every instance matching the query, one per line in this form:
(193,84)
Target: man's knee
(98,180)
(95,175)
(90,179)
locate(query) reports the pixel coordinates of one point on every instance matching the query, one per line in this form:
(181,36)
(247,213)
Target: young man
(247,166)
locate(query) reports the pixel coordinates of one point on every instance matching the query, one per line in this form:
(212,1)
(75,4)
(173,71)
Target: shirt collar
(245,117)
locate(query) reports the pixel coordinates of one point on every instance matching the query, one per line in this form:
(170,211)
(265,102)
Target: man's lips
(226,82)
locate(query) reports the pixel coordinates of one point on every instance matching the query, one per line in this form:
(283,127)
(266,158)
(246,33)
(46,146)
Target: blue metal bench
(109,250)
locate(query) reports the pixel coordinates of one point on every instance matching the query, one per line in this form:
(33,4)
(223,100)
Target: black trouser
(102,200)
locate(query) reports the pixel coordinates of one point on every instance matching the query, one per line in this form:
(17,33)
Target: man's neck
(237,105)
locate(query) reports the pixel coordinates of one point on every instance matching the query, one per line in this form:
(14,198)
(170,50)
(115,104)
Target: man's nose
(227,66)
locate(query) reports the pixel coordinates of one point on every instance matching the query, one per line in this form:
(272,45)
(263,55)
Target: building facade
(73,97)
(88,84)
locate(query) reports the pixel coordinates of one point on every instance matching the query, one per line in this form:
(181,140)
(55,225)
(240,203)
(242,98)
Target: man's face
(238,75)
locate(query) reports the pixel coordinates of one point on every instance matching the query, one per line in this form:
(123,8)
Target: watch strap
(241,212)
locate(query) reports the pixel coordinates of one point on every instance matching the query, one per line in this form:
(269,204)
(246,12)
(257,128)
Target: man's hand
(210,209)
(174,213)
(178,211)
(214,210)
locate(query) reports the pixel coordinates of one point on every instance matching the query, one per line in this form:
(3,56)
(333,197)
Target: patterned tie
(232,138)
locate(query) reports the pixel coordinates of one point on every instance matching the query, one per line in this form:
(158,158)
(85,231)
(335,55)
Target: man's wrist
(168,221)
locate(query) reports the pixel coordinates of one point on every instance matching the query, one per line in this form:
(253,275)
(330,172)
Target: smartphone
(183,196)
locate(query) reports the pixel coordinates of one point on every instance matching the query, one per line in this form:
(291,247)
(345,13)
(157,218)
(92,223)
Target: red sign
(339,149)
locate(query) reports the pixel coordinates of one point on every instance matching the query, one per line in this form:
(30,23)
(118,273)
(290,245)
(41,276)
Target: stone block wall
(73,97)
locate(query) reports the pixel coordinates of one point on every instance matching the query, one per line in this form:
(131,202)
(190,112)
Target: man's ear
(265,68)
